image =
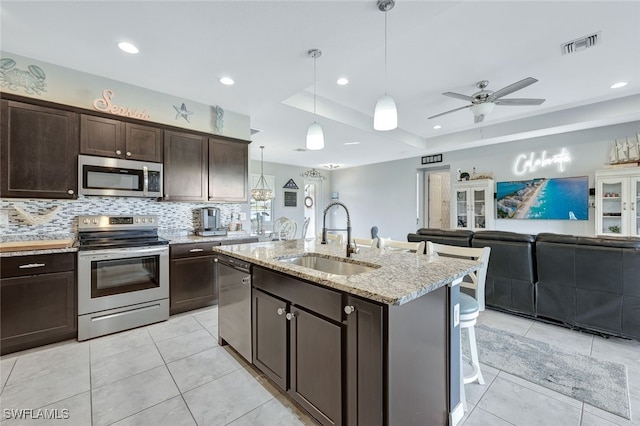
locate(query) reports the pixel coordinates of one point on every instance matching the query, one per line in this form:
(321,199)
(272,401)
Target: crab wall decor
(32,81)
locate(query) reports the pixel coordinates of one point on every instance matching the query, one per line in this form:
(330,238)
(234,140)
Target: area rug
(602,384)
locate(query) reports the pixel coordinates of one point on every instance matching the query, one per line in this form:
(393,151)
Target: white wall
(384,194)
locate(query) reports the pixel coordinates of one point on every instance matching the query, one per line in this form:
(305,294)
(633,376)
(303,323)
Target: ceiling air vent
(581,43)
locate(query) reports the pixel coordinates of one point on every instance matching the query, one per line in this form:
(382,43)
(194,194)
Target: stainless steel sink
(336,266)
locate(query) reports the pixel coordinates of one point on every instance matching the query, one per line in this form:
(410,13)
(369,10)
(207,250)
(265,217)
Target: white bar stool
(469,311)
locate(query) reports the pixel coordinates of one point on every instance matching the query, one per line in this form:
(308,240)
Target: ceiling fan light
(385,116)
(483,108)
(315,137)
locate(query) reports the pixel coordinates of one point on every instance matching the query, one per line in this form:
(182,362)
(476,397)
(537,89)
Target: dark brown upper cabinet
(39,151)
(107,137)
(185,167)
(228,170)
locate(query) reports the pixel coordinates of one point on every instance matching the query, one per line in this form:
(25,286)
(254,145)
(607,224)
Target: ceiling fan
(483,102)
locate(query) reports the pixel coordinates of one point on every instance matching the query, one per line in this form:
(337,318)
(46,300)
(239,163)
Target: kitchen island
(379,347)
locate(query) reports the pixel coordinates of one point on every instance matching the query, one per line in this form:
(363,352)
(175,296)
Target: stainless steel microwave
(116,177)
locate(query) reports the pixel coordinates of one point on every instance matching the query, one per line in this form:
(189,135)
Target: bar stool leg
(463,396)
(474,353)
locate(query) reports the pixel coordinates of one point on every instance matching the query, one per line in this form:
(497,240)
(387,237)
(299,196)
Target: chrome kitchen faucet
(350,246)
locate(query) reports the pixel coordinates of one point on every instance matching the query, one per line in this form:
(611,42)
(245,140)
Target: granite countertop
(173,239)
(401,277)
(185,239)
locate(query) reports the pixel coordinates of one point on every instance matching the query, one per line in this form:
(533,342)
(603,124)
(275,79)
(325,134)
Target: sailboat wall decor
(625,151)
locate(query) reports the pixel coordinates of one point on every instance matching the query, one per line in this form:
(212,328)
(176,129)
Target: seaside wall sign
(531,163)
(105,104)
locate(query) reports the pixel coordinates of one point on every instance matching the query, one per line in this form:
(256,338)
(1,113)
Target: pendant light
(262,192)
(385,116)
(315,136)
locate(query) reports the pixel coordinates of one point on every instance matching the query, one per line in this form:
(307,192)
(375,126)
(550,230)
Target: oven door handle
(124,253)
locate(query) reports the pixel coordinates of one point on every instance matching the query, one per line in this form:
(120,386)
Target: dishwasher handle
(238,265)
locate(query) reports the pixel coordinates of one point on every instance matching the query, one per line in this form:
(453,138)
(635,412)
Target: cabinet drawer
(18,266)
(192,249)
(317,299)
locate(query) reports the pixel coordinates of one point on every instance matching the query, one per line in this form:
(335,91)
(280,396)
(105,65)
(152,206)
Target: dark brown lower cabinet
(329,361)
(365,363)
(38,301)
(191,277)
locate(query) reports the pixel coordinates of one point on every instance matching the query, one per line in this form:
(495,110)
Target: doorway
(436,198)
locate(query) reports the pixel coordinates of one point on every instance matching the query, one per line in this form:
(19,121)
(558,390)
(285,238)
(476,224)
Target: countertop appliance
(116,177)
(123,274)
(234,304)
(210,222)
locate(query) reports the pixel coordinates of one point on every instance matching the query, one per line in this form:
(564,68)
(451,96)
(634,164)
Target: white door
(435,200)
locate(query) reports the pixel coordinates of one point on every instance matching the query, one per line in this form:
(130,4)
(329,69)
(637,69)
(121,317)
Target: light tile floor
(174,373)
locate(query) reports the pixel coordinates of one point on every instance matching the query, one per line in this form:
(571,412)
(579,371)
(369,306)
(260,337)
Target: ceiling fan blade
(447,112)
(478,118)
(458,96)
(519,101)
(512,88)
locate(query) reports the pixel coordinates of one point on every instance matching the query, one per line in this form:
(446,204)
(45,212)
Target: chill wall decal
(32,81)
(105,104)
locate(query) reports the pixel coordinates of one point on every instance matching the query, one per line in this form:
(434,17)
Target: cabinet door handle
(624,205)
(281,311)
(70,192)
(128,154)
(196,250)
(31,265)
(290,316)
(246,280)
(118,152)
(349,309)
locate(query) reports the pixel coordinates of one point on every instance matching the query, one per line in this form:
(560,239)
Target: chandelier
(262,192)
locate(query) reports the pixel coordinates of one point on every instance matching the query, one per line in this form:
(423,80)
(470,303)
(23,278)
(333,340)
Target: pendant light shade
(262,192)
(385,116)
(315,135)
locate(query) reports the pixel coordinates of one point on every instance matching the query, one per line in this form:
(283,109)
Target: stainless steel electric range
(123,274)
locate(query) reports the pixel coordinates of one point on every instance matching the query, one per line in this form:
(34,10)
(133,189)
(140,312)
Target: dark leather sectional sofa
(591,283)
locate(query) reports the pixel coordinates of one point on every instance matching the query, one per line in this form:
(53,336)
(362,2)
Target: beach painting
(542,198)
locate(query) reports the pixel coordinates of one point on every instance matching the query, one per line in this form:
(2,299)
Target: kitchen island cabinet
(301,322)
(380,347)
(39,151)
(38,300)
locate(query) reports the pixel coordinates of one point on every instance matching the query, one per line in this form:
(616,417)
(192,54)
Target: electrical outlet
(243,216)
(4,218)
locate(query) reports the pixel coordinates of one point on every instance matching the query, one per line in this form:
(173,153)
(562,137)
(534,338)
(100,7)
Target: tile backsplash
(43,217)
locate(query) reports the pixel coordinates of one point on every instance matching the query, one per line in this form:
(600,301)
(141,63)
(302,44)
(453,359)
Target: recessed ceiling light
(619,85)
(342,81)
(227,81)
(128,47)
(437,126)
(352,143)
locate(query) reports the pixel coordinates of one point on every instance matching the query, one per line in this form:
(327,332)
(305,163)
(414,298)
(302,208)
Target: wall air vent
(581,43)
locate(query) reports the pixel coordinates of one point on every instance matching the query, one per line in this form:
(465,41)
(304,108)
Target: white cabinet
(472,205)
(618,202)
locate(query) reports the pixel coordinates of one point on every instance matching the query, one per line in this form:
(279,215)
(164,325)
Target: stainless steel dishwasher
(234,303)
